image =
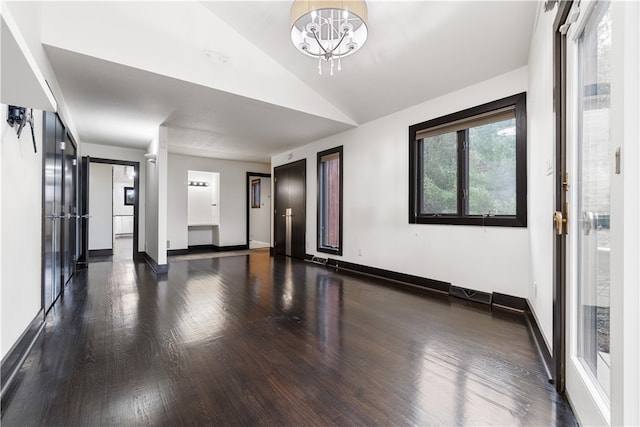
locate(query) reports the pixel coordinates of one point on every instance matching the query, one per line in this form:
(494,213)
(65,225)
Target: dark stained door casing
(83,214)
(290,209)
(70,221)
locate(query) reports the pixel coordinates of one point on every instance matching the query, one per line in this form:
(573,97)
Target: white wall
(541,172)
(376,228)
(21,217)
(21,230)
(121,179)
(100,206)
(260,218)
(122,214)
(119,208)
(126,154)
(233,216)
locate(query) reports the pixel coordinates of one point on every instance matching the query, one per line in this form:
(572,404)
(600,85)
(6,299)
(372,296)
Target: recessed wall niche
(203,210)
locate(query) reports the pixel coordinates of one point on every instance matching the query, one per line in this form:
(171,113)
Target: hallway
(255,340)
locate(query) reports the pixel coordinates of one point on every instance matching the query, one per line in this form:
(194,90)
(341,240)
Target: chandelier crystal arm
(328,53)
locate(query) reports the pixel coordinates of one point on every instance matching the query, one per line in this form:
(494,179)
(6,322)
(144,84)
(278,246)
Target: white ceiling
(260,96)
(118,105)
(416,51)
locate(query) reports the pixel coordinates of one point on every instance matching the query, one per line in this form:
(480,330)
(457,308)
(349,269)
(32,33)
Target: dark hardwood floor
(254,340)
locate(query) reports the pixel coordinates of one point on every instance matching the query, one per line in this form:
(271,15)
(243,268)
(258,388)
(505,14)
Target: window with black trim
(330,201)
(255,193)
(470,167)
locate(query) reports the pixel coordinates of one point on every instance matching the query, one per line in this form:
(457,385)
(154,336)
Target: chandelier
(328,29)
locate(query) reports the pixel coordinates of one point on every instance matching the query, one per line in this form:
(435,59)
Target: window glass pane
(330,202)
(440,174)
(255,193)
(594,194)
(492,169)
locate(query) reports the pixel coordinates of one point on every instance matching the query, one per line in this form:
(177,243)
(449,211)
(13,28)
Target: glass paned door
(593,193)
(599,71)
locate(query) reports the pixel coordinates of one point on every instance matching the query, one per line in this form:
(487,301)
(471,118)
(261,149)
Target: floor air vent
(318,260)
(470,294)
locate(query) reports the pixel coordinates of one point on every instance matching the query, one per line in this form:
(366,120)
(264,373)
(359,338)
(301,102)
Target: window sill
(330,251)
(486,221)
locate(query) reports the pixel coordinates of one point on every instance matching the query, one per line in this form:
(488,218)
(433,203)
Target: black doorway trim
(247,185)
(136,205)
(559,242)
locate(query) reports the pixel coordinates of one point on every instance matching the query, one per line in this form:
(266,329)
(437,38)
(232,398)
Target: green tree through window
(440,180)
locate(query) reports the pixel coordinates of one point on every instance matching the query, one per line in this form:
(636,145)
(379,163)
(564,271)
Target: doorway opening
(110,190)
(123,192)
(258,210)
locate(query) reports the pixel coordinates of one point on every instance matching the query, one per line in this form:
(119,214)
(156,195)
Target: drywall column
(162,163)
(156,200)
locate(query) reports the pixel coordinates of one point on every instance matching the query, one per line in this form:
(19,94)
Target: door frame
(69,139)
(247,187)
(136,205)
(560,241)
(624,389)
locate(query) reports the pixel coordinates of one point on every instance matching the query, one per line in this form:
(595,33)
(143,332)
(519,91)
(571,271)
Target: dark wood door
(290,209)
(53,273)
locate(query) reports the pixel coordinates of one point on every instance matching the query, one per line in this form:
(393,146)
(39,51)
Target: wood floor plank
(255,340)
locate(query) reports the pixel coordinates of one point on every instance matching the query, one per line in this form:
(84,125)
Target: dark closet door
(70,205)
(52,209)
(290,209)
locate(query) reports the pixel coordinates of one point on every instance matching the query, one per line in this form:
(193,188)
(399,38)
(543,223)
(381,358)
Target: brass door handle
(561,223)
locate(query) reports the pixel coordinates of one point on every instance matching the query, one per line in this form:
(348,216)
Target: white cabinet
(123,224)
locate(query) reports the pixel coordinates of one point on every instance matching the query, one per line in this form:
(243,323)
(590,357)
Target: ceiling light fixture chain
(328,29)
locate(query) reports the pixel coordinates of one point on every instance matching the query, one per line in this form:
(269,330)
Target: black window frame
(255,193)
(319,247)
(519,103)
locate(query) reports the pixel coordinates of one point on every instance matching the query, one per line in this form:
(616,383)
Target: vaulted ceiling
(227,81)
